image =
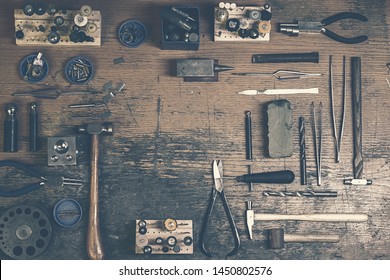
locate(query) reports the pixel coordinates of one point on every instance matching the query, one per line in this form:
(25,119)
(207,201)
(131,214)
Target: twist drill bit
(356,87)
(300,193)
(302,145)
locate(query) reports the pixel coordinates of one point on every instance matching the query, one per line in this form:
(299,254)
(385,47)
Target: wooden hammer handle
(332,238)
(94,242)
(313,217)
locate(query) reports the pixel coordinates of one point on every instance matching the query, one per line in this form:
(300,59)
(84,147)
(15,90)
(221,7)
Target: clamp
(27,169)
(312,27)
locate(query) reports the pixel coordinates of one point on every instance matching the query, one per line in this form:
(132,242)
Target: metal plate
(61,151)
(25,232)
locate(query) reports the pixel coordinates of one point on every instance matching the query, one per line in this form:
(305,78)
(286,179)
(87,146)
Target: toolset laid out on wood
(26,230)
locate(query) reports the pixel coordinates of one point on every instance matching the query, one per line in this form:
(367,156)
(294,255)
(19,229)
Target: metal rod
(356,87)
(317,133)
(343,107)
(302,145)
(334,128)
(300,193)
(248,135)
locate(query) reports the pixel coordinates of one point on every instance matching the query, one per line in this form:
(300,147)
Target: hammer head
(276,238)
(250,218)
(106,128)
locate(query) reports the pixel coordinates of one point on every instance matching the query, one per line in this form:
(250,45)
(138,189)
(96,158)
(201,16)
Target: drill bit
(300,193)
(302,145)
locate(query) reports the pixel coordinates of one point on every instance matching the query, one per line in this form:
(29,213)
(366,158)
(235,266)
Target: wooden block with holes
(164,237)
(36,28)
(244,17)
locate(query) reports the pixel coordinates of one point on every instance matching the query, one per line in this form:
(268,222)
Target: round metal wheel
(25,232)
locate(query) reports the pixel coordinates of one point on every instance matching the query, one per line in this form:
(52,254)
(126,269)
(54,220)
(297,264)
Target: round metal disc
(25,232)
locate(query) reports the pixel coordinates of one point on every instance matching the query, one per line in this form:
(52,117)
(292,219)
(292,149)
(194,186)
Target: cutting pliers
(28,170)
(293,29)
(218,188)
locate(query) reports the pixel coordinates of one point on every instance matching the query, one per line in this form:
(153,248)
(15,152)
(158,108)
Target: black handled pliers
(293,29)
(218,189)
(28,170)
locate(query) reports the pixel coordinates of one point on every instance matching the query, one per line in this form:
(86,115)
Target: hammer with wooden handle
(251,217)
(277,238)
(94,242)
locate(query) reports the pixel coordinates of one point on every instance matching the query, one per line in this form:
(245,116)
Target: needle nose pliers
(293,29)
(28,170)
(218,189)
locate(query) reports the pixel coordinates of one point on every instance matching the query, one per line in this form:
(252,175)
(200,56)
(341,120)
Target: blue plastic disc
(33,73)
(132,33)
(79,70)
(67,212)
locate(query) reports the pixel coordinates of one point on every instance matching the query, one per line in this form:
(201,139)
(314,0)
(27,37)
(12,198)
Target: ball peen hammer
(251,217)
(94,242)
(277,238)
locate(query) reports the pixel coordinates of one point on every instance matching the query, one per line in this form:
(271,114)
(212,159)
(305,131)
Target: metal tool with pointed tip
(218,188)
(317,139)
(279,91)
(281,74)
(337,137)
(300,193)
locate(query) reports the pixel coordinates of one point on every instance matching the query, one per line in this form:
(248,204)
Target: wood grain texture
(167,132)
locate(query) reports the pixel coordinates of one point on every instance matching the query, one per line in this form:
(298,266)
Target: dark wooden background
(167,132)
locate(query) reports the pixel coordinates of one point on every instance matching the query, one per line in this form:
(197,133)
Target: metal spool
(25,232)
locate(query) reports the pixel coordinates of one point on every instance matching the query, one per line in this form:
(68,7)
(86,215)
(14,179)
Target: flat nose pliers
(293,29)
(28,170)
(218,188)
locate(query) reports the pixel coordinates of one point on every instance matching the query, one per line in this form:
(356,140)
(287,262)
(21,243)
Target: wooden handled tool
(277,238)
(251,217)
(94,243)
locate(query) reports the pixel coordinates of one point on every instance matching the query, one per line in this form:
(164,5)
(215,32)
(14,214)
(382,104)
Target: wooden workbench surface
(167,132)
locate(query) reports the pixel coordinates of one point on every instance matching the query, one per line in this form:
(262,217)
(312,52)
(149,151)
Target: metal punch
(218,188)
(317,137)
(281,74)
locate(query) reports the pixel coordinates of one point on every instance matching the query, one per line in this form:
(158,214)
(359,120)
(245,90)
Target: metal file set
(29,229)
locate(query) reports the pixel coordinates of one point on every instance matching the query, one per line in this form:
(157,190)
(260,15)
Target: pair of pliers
(218,188)
(293,29)
(27,169)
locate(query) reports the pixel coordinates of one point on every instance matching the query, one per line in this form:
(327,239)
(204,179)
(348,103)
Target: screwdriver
(275,177)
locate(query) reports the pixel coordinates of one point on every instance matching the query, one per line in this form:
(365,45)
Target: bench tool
(356,87)
(316,27)
(26,169)
(11,129)
(274,177)
(94,242)
(218,187)
(302,150)
(277,238)
(317,133)
(281,75)
(300,193)
(199,69)
(337,137)
(251,217)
